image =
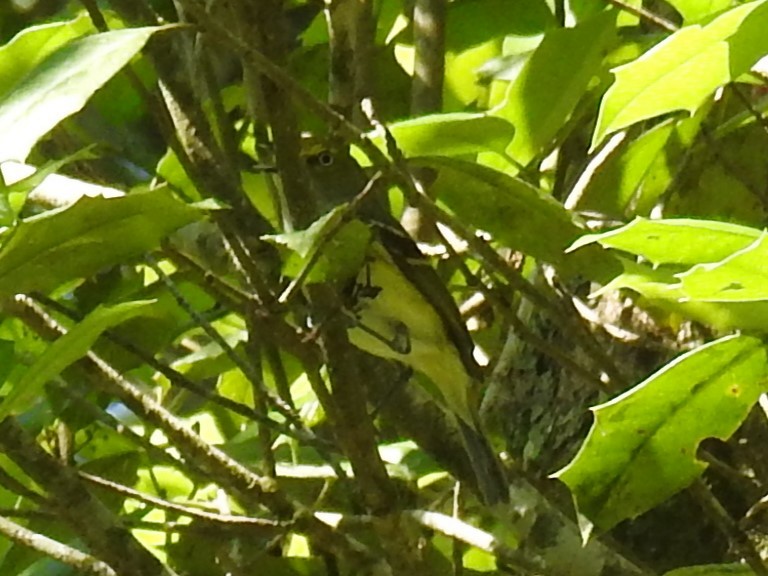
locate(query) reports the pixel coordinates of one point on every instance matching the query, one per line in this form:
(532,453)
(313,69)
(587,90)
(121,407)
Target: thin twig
(720,516)
(644,14)
(87,516)
(243,364)
(193,510)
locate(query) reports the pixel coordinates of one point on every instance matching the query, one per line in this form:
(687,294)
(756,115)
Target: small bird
(401,310)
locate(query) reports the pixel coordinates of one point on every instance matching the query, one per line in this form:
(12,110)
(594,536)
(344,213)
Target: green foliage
(451,134)
(208,397)
(64,351)
(552,82)
(679,241)
(44,251)
(711,271)
(61,84)
(330,250)
(33,45)
(682,71)
(642,446)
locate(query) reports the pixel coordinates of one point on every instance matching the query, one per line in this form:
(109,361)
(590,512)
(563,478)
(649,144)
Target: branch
(251,489)
(84,563)
(246,525)
(429,56)
(86,515)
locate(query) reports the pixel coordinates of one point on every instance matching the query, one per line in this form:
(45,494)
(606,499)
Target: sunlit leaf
(33,45)
(451,134)
(695,10)
(642,446)
(552,82)
(675,241)
(741,277)
(685,69)
(661,289)
(51,189)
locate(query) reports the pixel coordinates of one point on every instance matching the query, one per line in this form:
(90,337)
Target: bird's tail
(491,482)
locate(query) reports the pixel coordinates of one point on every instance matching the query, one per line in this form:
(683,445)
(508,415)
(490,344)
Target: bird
(399,308)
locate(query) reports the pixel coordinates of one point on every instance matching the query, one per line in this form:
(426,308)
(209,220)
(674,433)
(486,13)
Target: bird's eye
(324,158)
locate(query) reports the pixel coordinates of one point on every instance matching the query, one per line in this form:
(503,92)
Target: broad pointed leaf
(61,85)
(47,250)
(515,213)
(451,134)
(552,82)
(741,277)
(685,69)
(330,249)
(675,241)
(661,289)
(33,45)
(642,446)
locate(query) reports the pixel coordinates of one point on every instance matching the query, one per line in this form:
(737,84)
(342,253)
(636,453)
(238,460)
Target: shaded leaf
(552,82)
(342,247)
(617,181)
(64,351)
(712,570)
(515,213)
(61,85)
(45,251)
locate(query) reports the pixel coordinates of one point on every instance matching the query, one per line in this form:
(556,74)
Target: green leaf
(32,45)
(66,350)
(662,171)
(475,34)
(7,353)
(713,570)
(333,248)
(695,10)
(675,241)
(451,134)
(661,289)
(170,169)
(642,446)
(51,188)
(47,250)
(552,82)
(727,189)
(741,277)
(617,182)
(61,85)
(681,72)
(515,213)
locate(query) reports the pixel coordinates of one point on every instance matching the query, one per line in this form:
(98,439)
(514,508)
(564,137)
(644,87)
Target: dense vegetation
(180,390)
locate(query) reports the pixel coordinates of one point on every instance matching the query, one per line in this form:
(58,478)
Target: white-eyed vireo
(401,310)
